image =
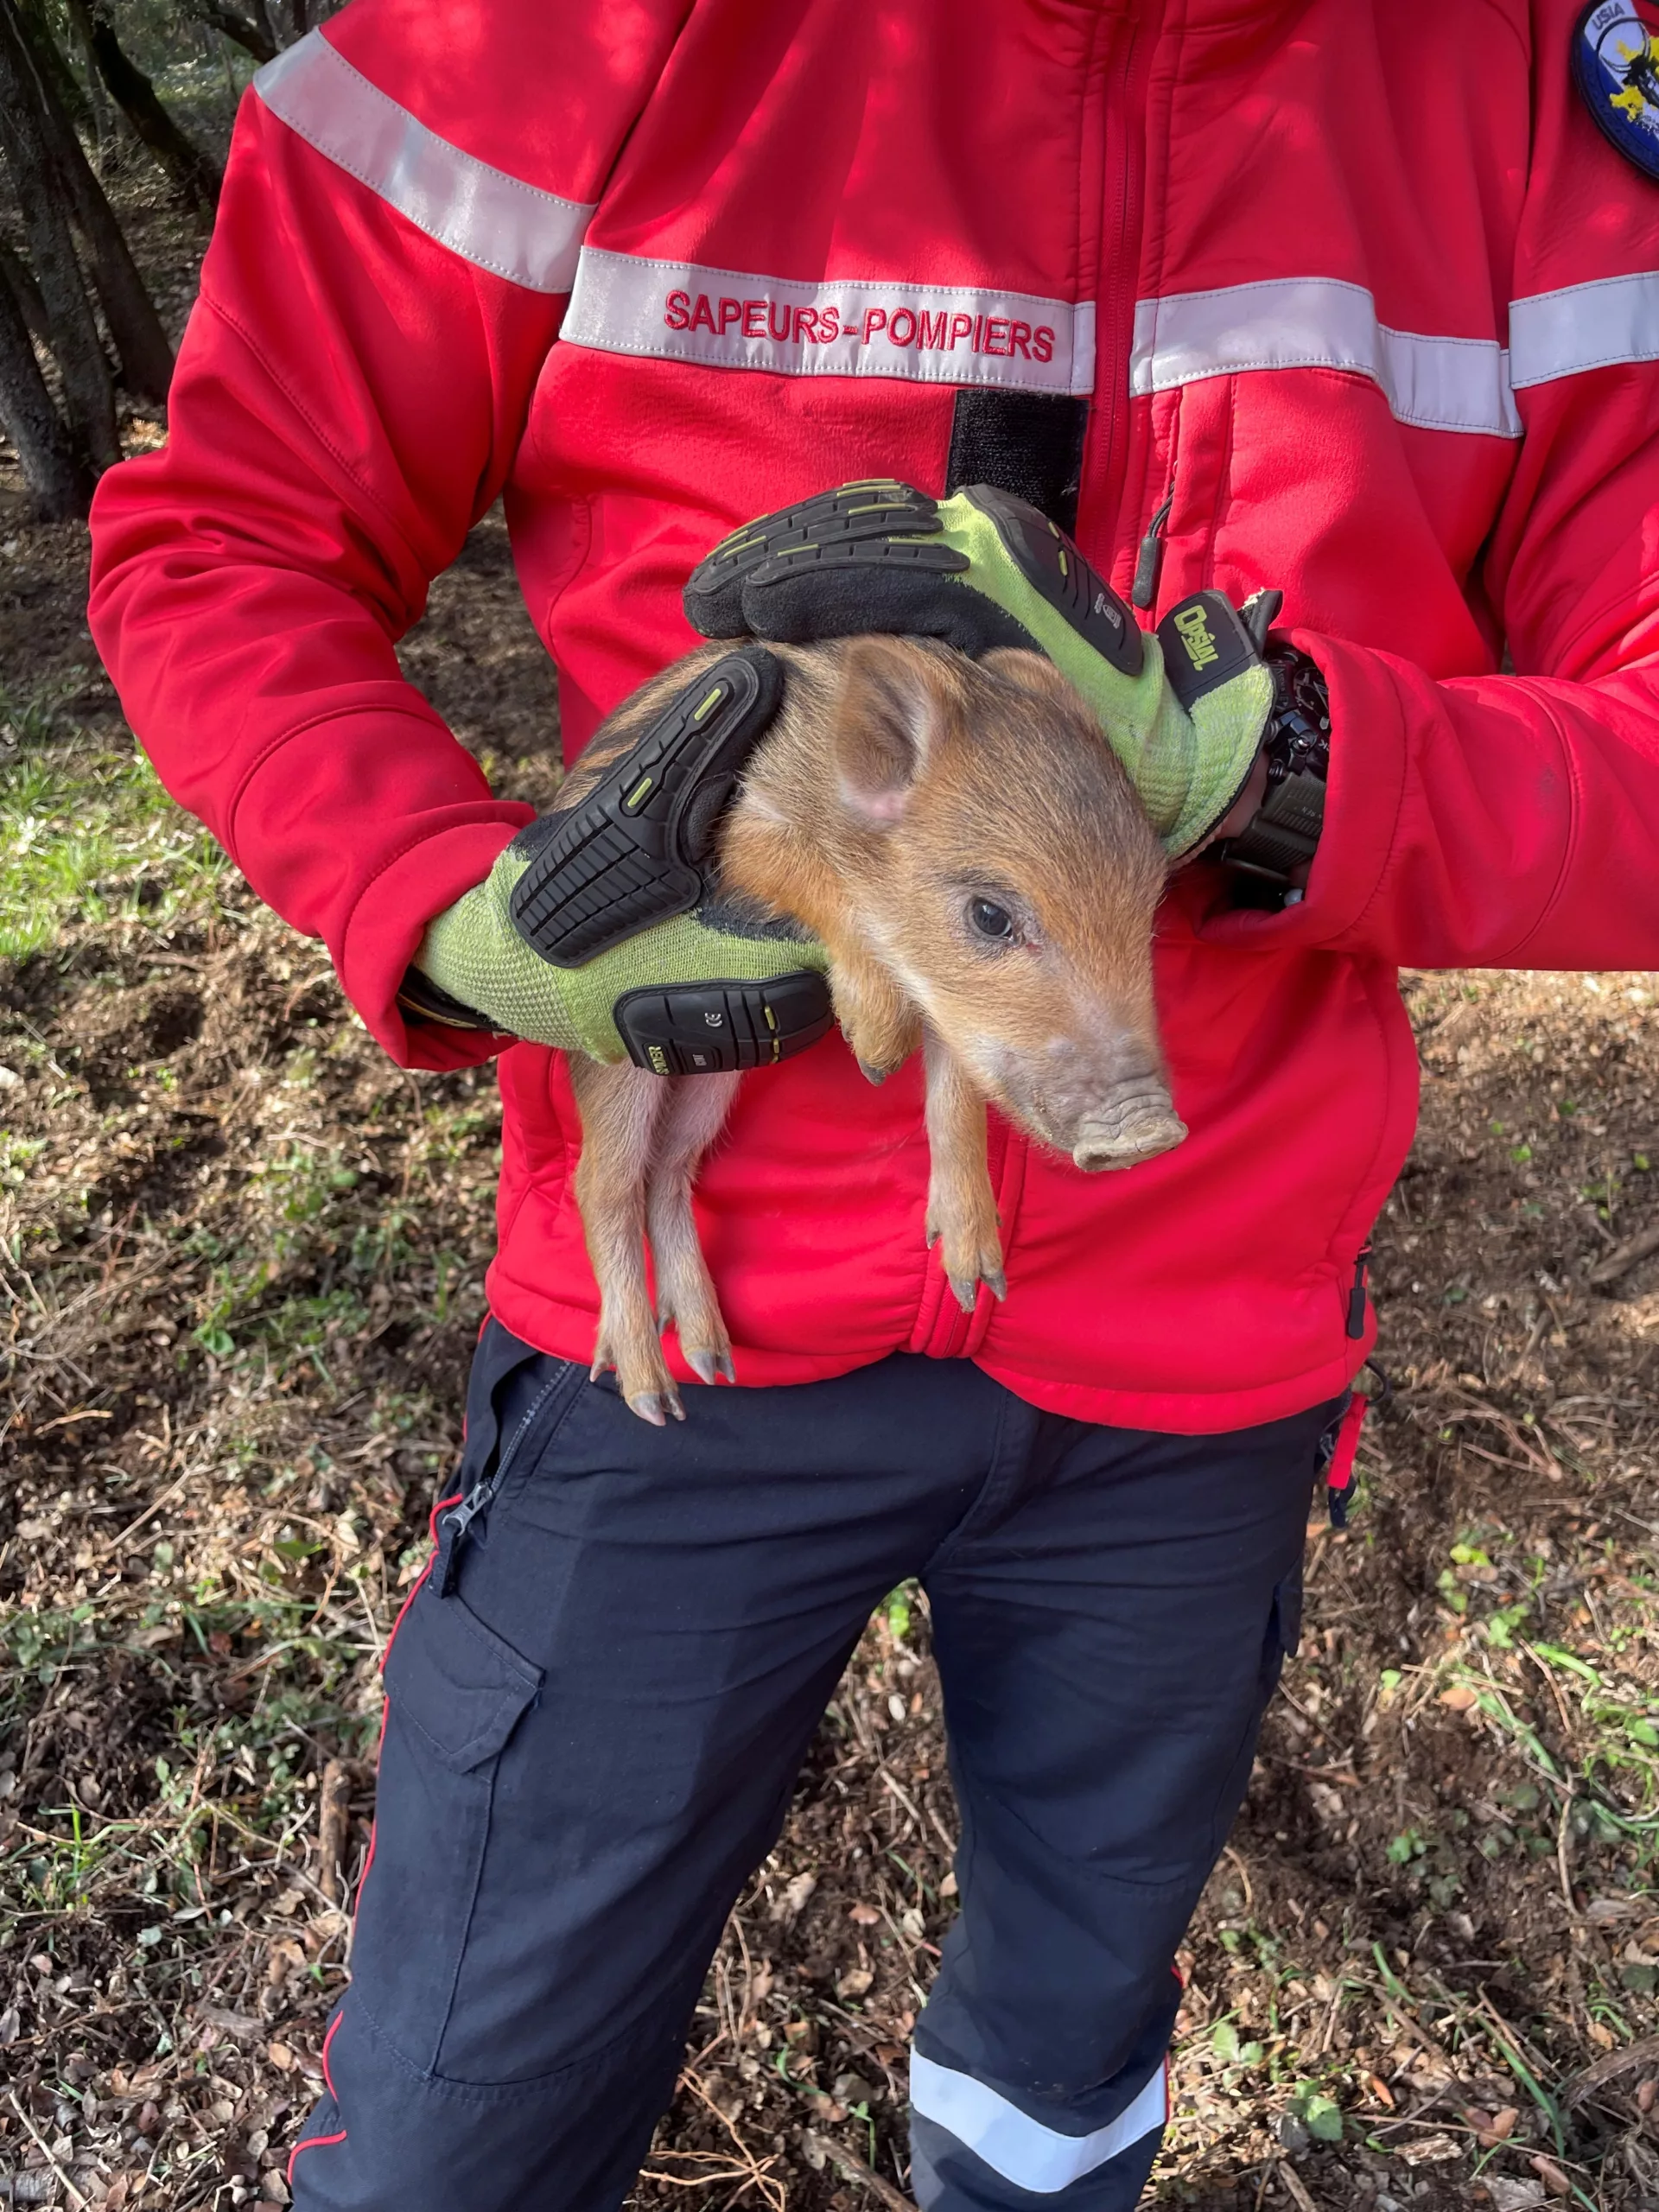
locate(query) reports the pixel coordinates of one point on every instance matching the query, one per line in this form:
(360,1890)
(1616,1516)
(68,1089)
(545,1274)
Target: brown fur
(898,784)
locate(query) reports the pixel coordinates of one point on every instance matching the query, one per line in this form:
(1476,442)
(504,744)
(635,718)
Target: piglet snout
(1137,1123)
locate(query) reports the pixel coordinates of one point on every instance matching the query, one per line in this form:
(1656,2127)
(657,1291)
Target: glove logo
(1192,627)
(715,1021)
(1616,69)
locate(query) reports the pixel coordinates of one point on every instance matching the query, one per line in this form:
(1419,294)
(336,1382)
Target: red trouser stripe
(317,2142)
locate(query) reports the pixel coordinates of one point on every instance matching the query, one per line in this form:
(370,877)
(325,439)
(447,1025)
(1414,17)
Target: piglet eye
(989,920)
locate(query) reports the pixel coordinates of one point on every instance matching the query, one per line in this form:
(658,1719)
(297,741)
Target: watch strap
(1283,835)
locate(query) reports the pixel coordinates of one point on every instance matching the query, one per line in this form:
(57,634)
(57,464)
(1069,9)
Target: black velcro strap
(1205,645)
(419,998)
(1029,443)
(631,853)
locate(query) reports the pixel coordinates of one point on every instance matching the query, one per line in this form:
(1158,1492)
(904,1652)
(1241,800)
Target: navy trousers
(598,1700)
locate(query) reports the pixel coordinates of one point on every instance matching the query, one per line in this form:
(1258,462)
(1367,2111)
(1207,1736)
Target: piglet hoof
(708,1364)
(871,1073)
(655,1406)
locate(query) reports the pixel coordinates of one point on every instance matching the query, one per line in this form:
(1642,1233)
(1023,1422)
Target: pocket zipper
(1357,1293)
(454,1525)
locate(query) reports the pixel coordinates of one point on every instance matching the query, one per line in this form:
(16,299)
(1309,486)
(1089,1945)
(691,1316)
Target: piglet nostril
(1137,1126)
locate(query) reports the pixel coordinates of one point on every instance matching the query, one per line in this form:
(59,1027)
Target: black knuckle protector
(631,853)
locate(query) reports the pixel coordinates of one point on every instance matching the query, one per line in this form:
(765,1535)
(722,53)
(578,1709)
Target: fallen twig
(1598,2075)
(45,2149)
(1624,1257)
(855,2170)
(333,1822)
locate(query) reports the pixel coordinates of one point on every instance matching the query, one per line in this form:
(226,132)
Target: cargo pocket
(455,1692)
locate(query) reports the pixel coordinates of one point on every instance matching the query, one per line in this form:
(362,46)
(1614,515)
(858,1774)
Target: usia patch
(1616,69)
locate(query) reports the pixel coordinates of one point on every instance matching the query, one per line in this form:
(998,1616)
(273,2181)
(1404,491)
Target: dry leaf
(865,1914)
(1508,2194)
(854,1983)
(1460,1697)
(795,1895)
(1429,2150)
(279,2056)
(1551,2175)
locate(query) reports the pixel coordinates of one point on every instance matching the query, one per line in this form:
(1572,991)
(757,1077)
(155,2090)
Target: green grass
(88,835)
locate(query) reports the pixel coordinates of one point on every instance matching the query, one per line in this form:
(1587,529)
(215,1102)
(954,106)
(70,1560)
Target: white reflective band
(1013,2145)
(1584,326)
(1318,322)
(488,218)
(928,333)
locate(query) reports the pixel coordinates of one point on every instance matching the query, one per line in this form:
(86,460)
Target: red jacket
(1359,287)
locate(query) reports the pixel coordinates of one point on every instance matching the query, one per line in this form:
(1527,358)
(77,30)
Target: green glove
(601,928)
(1183,708)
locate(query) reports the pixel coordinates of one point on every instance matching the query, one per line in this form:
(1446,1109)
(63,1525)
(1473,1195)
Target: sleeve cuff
(1363,799)
(390,919)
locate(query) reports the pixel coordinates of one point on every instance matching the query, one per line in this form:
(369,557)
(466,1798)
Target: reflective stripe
(1318,322)
(1584,326)
(1014,2144)
(843,326)
(488,218)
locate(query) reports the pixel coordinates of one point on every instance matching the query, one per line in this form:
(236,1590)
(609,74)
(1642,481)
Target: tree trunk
(104,133)
(67,89)
(193,175)
(146,357)
(252,37)
(298,9)
(89,397)
(27,293)
(58,487)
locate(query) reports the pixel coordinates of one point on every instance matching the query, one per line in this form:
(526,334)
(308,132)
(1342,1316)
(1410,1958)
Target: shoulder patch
(1616,69)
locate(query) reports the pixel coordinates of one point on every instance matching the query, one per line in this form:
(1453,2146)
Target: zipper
(454,1525)
(1357,1293)
(1124,124)
(1149,562)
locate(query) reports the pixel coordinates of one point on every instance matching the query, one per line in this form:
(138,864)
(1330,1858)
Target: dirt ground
(241,1257)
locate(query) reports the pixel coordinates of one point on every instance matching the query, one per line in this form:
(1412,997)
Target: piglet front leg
(877,1019)
(621,1110)
(961,1204)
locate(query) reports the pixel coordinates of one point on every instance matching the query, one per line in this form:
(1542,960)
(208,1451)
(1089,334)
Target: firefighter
(1350,303)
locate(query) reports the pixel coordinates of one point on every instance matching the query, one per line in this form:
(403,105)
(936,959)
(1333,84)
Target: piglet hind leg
(961,1204)
(622,1109)
(696,1113)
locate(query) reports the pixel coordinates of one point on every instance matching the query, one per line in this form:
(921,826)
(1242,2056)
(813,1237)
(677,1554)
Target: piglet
(966,847)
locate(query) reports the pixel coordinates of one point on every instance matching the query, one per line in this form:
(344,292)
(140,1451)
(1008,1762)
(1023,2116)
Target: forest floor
(240,1258)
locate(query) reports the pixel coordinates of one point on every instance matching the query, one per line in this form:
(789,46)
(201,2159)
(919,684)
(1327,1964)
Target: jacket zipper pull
(452,1532)
(1150,560)
(1357,1295)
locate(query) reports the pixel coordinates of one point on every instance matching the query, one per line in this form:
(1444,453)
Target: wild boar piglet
(970,852)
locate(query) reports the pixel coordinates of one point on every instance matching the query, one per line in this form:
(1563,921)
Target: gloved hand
(599,929)
(1183,708)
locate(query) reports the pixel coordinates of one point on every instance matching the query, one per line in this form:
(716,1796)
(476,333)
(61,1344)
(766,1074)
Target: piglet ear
(885,720)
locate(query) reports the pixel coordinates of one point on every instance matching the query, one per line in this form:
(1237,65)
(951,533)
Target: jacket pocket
(455,1693)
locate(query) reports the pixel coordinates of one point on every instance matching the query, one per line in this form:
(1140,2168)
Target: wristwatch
(1281,837)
